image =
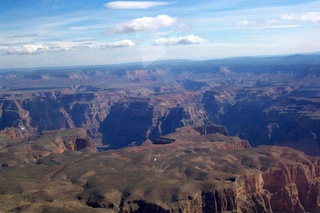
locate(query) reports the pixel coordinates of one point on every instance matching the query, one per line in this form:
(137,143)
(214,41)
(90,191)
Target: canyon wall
(119,107)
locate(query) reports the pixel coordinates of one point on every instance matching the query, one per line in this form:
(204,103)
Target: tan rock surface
(184,176)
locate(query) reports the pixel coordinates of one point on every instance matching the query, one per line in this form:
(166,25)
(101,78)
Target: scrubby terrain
(195,172)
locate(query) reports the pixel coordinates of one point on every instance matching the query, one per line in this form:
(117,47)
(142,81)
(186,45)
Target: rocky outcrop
(78,142)
(31,148)
(163,140)
(212,133)
(13,133)
(210,129)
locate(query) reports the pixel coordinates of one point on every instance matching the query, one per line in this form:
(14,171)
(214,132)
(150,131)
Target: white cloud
(34,48)
(309,16)
(144,24)
(127,5)
(28,49)
(118,44)
(246,23)
(269,24)
(190,39)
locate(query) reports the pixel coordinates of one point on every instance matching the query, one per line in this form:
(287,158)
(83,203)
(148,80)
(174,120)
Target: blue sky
(70,33)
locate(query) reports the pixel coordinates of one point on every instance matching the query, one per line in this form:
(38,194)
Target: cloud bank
(39,48)
(129,5)
(33,49)
(186,40)
(144,24)
(283,21)
(118,44)
(309,16)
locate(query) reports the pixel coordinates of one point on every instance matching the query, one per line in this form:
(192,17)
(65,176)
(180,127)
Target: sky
(45,33)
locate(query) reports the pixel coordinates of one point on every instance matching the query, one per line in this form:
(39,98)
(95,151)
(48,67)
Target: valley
(268,101)
(229,135)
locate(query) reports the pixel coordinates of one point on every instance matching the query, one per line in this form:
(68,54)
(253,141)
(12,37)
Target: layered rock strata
(265,101)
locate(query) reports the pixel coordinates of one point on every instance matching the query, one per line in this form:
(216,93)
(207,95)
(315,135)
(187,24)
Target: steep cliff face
(296,184)
(271,115)
(47,111)
(213,128)
(294,123)
(210,201)
(36,113)
(87,110)
(251,194)
(134,121)
(13,115)
(127,123)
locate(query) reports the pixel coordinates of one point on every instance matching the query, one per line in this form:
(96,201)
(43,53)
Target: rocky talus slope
(198,171)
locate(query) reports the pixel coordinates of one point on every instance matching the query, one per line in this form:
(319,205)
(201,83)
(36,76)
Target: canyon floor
(231,135)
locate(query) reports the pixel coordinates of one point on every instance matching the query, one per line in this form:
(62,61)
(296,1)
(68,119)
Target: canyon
(229,135)
(268,101)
